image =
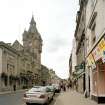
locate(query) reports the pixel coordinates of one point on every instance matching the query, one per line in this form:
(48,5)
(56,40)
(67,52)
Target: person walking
(14,87)
(64,87)
(68,86)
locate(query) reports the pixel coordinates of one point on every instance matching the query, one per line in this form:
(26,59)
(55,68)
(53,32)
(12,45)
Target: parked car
(39,95)
(51,89)
(57,88)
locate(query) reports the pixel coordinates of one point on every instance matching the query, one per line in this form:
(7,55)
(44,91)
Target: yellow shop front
(96,62)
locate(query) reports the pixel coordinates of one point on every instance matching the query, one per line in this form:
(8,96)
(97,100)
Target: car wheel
(48,101)
(52,98)
(45,104)
(27,103)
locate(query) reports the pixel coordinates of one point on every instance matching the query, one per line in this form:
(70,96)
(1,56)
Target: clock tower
(32,41)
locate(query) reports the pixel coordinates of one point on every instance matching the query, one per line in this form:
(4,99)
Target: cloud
(56,43)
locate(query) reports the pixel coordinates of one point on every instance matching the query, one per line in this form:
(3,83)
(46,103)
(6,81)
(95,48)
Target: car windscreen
(40,89)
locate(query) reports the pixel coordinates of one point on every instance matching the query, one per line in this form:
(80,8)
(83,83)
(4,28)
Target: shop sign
(98,51)
(101,45)
(91,61)
(80,71)
(77,67)
(96,54)
(81,66)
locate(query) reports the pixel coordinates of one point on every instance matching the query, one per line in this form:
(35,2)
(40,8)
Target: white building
(95,41)
(74,57)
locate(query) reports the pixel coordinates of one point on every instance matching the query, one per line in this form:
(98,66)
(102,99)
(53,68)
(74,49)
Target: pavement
(10,92)
(71,97)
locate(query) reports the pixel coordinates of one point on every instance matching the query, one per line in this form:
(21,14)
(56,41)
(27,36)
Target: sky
(55,21)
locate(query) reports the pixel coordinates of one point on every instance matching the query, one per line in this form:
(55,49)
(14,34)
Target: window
(87,41)
(93,36)
(92,26)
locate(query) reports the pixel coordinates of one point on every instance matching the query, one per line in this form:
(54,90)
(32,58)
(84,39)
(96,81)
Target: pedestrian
(68,86)
(61,86)
(14,87)
(64,88)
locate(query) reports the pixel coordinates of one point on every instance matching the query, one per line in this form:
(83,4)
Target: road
(12,99)
(64,98)
(16,99)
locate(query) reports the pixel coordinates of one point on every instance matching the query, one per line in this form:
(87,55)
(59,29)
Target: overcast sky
(55,21)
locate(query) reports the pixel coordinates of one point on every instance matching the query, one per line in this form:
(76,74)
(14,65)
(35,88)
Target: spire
(32,27)
(32,21)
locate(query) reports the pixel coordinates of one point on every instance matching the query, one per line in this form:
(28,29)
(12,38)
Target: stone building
(45,75)
(70,67)
(90,42)
(32,43)
(74,57)
(72,64)
(95,34)
(8,67)
(80,47)
(54,79)
(20,65)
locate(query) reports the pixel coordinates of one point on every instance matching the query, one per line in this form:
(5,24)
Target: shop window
(101,77)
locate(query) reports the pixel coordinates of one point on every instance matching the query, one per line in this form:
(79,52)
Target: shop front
(80,78)
(96,62)
(99,82)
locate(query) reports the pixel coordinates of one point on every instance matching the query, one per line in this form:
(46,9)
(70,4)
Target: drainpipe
(85,52)
(85,48)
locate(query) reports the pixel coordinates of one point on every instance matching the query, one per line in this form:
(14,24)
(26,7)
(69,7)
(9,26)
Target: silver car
(38,94)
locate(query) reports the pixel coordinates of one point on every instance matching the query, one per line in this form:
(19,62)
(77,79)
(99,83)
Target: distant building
(80,47)
(70,67)
(72,64)
(74,57)
(20,65)
(32,43)
(54,79)
(45,75)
